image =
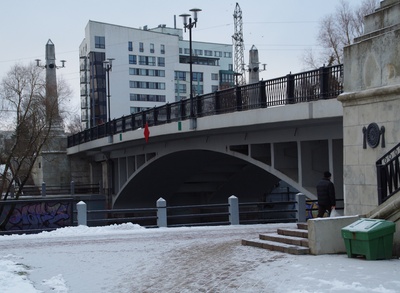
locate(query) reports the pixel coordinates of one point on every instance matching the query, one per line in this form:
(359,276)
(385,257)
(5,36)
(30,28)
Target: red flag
(146,132)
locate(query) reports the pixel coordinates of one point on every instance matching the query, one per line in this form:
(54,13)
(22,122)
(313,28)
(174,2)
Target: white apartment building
(150,67)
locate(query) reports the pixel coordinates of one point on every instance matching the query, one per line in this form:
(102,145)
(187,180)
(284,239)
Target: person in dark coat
(326,195)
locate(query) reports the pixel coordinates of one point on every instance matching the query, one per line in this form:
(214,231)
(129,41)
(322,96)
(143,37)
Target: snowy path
(124,259)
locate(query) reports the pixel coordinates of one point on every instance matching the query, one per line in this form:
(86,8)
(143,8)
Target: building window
(147,98)
(181,88)
(214,76)
(228,54)
(230,66)
(146,72)
(147,85)
(161,61)
(130,46)
(99,42)
(218,54)
(197,89)
(197,76)
(180,50)
(208,53)
(151,48)
(187,51)
(214,88)
(162,49)
(198,52)
(132,59)
(141,47)
(138,109)
(147,60)
(180,75)
(227,78)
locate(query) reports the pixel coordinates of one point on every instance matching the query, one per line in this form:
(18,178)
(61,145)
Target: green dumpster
(370,238)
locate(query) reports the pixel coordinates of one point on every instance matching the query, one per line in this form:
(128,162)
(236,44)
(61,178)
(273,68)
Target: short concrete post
(233,210)
(301,207)
(72,187)
(161,213)
(82,213)
(43,192)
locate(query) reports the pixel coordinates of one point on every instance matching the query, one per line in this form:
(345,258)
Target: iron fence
(388,174)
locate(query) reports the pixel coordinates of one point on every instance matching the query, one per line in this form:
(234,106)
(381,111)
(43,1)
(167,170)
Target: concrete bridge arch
(199,176)
(209,167)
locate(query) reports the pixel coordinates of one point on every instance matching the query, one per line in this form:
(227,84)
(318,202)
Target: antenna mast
(239,47)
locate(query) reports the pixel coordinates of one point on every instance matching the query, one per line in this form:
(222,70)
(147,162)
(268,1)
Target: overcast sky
(281,30)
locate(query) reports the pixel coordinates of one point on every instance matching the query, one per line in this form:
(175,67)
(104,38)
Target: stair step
(302,226)
(276,246)
(299,241)
(294,232)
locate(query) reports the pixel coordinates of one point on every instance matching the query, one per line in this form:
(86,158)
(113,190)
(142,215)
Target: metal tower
(238,44)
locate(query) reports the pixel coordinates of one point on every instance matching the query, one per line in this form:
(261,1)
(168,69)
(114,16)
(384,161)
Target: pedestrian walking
(326,195)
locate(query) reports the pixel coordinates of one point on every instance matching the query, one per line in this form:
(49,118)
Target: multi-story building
(150,67)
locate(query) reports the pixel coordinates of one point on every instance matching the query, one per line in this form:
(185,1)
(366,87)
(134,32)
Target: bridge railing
(232,212)
(388,174)
(323,83)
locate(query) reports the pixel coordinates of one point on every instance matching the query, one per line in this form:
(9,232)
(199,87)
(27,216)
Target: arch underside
(199,177)
(195,177)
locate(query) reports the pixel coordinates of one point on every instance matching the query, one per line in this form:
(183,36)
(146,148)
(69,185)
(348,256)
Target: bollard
(161,213)
(72,187)
(301,208)
(82,213)
(43,189)
(233,210)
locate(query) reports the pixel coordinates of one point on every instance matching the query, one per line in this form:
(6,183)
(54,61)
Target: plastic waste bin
(370,238)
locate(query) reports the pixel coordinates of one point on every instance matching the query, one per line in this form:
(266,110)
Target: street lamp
(108,67)
(189,25)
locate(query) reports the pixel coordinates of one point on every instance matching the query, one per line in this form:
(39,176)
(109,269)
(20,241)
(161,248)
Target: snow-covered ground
(128,258)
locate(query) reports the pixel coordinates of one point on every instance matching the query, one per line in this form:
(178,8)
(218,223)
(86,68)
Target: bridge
(242,141)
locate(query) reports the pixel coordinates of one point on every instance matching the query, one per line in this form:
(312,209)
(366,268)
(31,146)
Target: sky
(281,30)
(128,258)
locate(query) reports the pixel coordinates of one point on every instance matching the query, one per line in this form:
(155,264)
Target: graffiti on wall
(40,215)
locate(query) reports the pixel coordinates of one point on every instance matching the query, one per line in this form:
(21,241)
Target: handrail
(322,83)
(388,174)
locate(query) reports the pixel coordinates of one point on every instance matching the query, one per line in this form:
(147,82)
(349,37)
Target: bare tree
(338,30)
(33,117)
(74,124)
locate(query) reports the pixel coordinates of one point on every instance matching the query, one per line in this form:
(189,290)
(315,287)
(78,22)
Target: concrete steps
(293,241)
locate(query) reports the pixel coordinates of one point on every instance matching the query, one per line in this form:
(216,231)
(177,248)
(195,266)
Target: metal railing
(71,189)
(231,212)
(45,214)
(388,174)
(323,83)
(268,212)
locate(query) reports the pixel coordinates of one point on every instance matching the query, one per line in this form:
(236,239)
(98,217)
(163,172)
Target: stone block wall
(371,96)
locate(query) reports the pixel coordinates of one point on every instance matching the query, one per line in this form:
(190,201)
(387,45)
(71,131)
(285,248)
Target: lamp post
(189,25)
(108,67)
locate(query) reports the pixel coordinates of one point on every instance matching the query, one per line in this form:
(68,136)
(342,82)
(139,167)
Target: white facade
(150,68)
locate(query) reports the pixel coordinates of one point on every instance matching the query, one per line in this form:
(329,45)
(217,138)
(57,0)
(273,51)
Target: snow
(129,258)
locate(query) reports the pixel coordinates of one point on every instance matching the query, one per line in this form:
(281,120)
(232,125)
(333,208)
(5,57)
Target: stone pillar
(254,66)
(51,81)
(370,105)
